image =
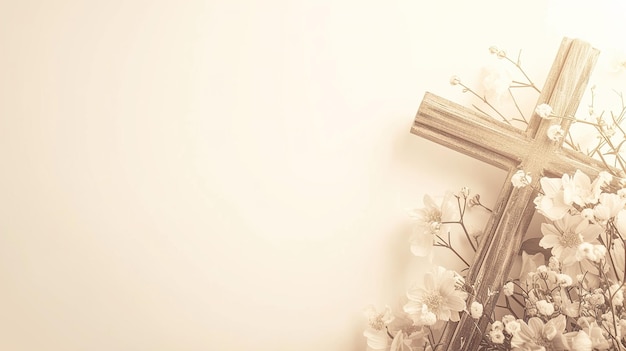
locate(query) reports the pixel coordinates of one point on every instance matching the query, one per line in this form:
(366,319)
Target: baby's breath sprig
(528,83)
(501,54)
(455,80)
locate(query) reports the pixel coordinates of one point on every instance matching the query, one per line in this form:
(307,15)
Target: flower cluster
(568,293)
(441,295)
(576,300)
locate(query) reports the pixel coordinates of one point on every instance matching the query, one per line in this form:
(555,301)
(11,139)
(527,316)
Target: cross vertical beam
(510,149)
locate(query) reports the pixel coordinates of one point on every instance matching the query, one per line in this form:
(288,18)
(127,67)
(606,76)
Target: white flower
(507,319)
(521,179)
(610,205)
(376,339)
(378,320)
(496,81)
(555,132)
(599,251)
(497,325)
(564,280)
(543,110)
(427,318)
(455,80)
(545,308)
(552,204)
(400,342)
(476,310)
(428,222)
(578,189)
(580,341)
(437,295)
(508,289)
(496,336)
(565,235)
(585,251)
(539,336)
(513,327)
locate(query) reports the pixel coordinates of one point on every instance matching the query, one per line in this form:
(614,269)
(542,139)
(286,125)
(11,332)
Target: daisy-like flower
(430,221)
(566,234)
(438,295)
(376,333)
(536,335)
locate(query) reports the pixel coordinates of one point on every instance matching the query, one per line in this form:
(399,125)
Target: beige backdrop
(232,175)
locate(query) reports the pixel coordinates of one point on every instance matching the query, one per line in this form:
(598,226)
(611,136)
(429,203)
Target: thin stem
(482,98)
(519,67)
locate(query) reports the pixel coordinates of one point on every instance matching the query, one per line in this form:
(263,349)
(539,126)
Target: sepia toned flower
(564,236)
(430,221)
(536,335)
(521,179)
(437,295)
(476,310)
(555,132)
(543,110)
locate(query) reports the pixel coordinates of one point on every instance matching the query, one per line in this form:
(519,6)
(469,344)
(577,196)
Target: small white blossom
(455,80)
(545,308)
(497,325)
(564,280)
(508,289)
(496,336)
(585,251)
(543,110)
(513,327)
(542,269)
(521,179)
(378,320)
(555,132)
(476,310)
(507,318)
(599,251)
(496,81)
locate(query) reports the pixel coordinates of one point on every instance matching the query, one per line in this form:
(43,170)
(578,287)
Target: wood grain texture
(508,148)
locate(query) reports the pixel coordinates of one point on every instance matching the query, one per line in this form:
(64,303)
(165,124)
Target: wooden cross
(511,149)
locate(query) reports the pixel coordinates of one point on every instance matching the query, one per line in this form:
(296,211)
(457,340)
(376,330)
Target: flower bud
(455,80)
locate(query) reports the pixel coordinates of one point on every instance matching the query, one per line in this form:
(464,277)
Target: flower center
(433,301)
(570,239)
(434,216)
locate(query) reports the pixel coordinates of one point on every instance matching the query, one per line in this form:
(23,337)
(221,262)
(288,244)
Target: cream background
(233,175)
